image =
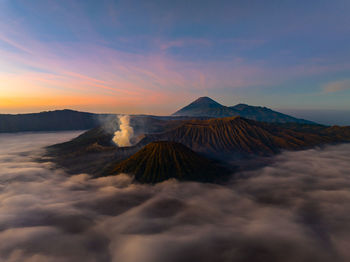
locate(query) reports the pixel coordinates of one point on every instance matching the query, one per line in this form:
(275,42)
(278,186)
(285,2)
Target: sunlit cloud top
(154,56)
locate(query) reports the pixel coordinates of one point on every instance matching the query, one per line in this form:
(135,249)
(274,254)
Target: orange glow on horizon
(97,104)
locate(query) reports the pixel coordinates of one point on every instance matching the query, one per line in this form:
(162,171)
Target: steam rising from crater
(123,136)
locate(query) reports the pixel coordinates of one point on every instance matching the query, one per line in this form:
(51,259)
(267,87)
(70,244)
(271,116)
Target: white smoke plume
(123,136)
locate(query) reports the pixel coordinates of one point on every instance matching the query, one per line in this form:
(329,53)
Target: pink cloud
(157,78)
(164,45)
(337,86)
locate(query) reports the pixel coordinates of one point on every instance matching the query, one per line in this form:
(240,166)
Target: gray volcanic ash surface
(293,210)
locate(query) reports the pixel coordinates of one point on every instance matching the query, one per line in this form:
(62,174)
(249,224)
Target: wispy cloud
(183,42)
(337,86)
(133,56)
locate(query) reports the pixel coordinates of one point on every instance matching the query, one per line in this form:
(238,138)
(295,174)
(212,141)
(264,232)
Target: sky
(154,57)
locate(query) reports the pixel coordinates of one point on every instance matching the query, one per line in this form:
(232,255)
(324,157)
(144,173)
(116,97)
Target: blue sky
(154,56)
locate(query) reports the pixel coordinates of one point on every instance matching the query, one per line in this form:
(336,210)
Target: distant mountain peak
(207,107)
(204,106)
(205,100)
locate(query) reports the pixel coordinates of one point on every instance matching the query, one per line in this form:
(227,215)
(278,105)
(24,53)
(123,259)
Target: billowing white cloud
(292,210)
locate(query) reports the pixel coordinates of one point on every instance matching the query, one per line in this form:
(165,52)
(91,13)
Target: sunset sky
(156,56)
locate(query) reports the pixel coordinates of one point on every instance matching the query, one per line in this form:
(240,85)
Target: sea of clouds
(296,209)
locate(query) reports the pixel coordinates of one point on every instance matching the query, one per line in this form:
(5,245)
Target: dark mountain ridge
(205,106)
(48,121)
(232,138)
(202,108)
(67,119)
(240,136)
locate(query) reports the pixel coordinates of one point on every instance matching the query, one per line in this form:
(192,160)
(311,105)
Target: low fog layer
(296,209)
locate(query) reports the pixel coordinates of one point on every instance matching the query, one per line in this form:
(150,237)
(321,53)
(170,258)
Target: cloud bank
(292,210)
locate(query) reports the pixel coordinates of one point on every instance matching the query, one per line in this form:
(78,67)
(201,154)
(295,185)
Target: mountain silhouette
(202,108)
(230,138)
(240,136)
(67,119)
(159,161)
(48,121)
(207,107)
